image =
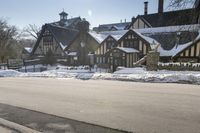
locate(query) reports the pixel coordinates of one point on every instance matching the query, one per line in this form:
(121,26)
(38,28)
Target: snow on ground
(123,74)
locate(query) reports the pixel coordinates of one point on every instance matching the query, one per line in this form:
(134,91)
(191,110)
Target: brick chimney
(160,6)
(146,7)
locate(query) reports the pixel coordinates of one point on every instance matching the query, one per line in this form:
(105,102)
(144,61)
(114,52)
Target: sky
(24,12)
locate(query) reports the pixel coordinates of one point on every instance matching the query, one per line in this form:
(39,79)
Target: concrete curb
(17,127)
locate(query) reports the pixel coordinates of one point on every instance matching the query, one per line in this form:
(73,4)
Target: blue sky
(24,12)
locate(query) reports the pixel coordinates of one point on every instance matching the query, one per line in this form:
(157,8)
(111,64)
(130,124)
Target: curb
(17,127)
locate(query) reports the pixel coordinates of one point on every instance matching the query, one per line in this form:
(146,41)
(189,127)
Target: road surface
(131,106)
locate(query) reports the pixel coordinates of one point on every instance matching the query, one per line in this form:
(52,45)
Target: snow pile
(165,76)
(124,74)
(9,73)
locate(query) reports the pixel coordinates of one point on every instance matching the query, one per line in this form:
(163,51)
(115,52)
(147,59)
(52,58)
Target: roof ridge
(114,23)
(188,9)
(61,27)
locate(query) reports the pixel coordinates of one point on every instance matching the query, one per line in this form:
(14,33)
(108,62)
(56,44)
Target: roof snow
(170,29)
(128,50)
(151,41)
(177,48)
(174,51)
(62,46)
(98,37)
(108,27)
(28,49)
(115,34)
(72,54)
(101,36)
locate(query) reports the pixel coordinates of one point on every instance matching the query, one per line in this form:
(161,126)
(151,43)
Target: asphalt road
(137,107)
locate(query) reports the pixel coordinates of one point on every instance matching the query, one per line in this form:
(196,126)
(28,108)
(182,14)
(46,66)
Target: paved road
(137,107)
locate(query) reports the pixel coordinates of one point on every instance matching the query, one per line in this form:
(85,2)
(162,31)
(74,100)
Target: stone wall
(152,61)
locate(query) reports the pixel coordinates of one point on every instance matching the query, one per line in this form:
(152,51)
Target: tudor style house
(121,48)
(67,39)
(176,31)
(174,34)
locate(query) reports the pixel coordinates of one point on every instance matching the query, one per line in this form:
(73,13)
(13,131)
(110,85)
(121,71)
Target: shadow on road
(49,123)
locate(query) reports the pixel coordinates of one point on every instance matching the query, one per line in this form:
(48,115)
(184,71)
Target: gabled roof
(167,36)
(63,36)
(177,48)
(115,34)
(149,40)
(118,35)
(171,18)
(63,13)
(69,23)
(101,36)
(108,27)
(98,37)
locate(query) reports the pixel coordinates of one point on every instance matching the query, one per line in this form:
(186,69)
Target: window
(136,44)
(110,43)
(47,41)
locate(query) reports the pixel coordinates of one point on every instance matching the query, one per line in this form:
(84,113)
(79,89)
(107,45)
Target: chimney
(146,7)
(160,6)
(133,19)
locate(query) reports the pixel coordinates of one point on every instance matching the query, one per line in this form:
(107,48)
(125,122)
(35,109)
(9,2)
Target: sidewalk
(11,127)
(6,130)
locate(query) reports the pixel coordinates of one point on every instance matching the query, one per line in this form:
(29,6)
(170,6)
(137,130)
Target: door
(117,61)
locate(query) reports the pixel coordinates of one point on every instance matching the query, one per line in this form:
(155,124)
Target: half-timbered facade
(189,54)
(123,44)
(121,48)
(121,56)
(54,39)
(67,39)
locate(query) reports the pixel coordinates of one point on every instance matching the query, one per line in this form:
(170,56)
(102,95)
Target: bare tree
(32,30)
(7,40)
(181,4)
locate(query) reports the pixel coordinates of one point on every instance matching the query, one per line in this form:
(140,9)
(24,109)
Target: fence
(33,66)
(23,65)
(179,66)
(3,66)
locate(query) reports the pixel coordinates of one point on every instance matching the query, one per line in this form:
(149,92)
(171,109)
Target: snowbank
(165,76)
(124,74)
(9,73)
